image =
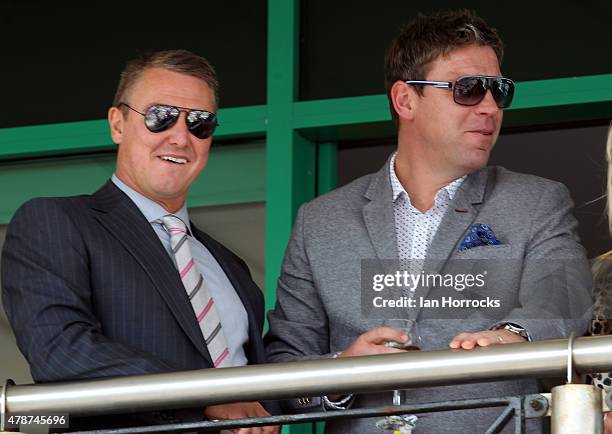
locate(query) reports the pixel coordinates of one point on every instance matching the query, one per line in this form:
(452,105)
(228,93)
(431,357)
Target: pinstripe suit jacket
(91,292)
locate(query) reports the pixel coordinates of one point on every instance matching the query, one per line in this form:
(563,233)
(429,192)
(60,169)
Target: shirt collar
(397,188)
(149,208)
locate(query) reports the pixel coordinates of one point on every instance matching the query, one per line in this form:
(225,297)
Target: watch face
(514,328)
(517,330)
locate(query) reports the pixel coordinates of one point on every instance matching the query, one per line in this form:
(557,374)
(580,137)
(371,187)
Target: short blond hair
(181,61)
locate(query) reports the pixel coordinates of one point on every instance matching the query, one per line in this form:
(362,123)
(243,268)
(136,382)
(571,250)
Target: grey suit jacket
(319,299)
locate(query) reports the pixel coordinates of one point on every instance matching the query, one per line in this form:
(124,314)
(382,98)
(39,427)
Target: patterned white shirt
(415,230)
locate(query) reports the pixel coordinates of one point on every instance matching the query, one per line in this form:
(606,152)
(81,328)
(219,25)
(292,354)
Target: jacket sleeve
(299,327)
(555,290)
(48,300)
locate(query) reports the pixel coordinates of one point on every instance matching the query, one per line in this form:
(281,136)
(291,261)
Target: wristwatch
(514,328)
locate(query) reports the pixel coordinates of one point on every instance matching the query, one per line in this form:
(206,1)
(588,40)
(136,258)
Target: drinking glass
(401,424)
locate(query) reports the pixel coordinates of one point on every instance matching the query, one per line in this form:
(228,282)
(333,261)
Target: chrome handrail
(310,378)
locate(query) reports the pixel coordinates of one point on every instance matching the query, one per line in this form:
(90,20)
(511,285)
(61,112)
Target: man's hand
(240,410)
(467,341)
(373,342)
(607,423)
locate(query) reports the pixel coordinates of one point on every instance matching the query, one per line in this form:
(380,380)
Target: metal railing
(552,358)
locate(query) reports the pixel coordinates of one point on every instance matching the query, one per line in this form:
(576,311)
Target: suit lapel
(461,213)
(460,216)
(122,218)
(379,218)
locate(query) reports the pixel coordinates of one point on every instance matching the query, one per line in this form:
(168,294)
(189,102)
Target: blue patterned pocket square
(479,235)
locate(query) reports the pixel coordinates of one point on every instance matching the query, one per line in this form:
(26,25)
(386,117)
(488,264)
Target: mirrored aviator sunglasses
(158,118)
(470,90)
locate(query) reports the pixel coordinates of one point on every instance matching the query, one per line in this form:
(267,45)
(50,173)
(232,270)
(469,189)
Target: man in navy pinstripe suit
(93,285)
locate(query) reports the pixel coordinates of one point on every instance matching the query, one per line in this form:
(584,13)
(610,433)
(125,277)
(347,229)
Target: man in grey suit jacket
(433,206)
(120,282)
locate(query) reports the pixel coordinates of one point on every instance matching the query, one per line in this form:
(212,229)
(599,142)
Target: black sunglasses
(471,89)
(158,118)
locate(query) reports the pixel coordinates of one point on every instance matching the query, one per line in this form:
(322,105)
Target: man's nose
(178,134)
(488,104)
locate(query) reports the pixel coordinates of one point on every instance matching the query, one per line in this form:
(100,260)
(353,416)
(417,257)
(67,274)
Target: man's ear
(404,98)
(116,121)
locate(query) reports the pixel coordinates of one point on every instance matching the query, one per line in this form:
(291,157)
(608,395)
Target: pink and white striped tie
(199,295)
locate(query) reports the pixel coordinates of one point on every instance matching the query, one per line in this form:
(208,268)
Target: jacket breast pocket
(500,251)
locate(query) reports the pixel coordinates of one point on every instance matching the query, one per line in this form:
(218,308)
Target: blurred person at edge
(434,201)
(120,282)
(602,291)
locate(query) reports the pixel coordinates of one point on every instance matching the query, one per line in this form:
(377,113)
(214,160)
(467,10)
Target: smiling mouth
(176,160)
